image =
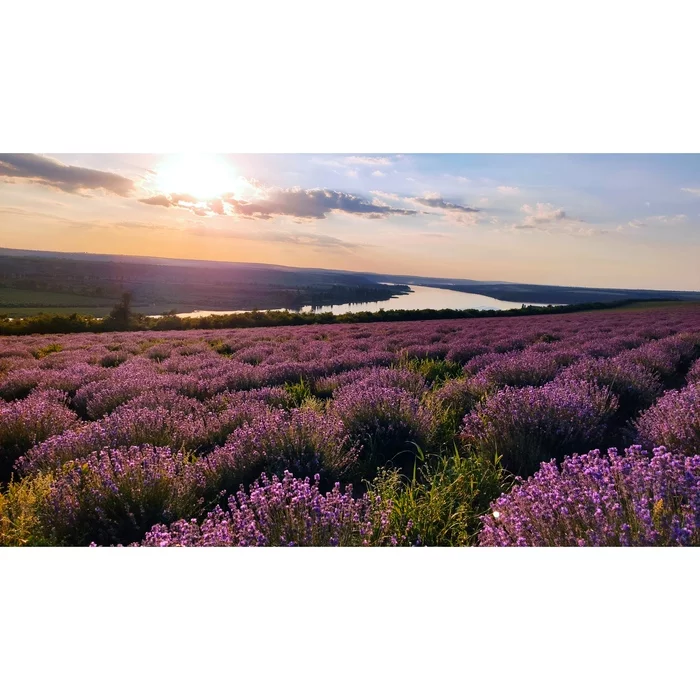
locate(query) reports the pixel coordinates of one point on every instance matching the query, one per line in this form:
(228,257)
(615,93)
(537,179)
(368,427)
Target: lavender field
(579,429)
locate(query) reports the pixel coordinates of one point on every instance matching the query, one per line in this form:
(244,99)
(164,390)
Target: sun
(202,175)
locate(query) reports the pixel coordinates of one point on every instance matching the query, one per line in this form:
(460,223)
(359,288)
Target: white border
(357,77)
(503,76)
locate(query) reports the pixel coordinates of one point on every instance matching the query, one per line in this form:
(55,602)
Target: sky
(627,221)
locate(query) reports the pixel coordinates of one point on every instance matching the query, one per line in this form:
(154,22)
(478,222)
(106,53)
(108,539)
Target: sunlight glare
(201,175)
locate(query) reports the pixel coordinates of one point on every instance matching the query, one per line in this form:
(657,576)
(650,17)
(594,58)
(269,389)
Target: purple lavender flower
(382,420)
(302,442)
(693,376)
(602,500)
(116,496)
(26,422)
(529,424)
(674,421)
(286,512)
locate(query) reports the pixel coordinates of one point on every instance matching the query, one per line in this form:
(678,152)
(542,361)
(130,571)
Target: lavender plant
(287,512)
(527,425)
(116,496)
(302,442)
(383,421)
(673,421)
(26,422)
(613,499)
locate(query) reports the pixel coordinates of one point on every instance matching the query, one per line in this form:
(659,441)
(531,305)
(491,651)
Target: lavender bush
(630,499)
(530,424)
(290,512)
(382,420)
(635,386)
(693,376)
(28,421)
(673,421)
(116,496)
(302,442)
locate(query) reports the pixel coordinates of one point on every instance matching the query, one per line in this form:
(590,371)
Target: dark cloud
(159,200)
(440,203)
(295,202)
(53,173)
(183,199)
(313,204)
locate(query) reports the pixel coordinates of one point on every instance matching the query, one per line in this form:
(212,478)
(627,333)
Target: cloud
(691,190)
(386,195)
(673,219)
(378,173)
(68,178)
(313,204)
(159,200)
(665,220)
(295,202)
(454,213)
(541,214)
(371,160)
(506,189)
(434,201)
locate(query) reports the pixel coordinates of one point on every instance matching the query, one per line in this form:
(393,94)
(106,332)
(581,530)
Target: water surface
(419,298)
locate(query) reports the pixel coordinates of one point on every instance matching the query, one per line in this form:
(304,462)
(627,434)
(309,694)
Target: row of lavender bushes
(421,433)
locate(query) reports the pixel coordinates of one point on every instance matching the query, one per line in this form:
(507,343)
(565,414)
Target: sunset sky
(590,220)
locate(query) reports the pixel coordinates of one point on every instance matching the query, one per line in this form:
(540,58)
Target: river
(419,298)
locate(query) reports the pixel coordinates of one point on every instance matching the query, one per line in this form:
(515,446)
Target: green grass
(435,372)
(441,505)
(37,299)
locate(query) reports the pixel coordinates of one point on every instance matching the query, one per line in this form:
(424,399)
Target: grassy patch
(440,505)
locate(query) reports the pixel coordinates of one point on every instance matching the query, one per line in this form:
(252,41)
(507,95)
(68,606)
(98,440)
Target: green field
(641,305)
(19,303)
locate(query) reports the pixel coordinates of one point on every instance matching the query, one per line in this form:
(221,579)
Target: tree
(120,315)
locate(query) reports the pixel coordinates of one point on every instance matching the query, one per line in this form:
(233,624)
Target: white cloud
(541,214)
(464,218)
(691,190)
(506,189)
(378,173)
(651,220)
(386,195)
(370,160)
(675,219)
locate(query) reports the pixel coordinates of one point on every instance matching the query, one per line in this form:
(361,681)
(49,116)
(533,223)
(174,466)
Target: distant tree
(120,315)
